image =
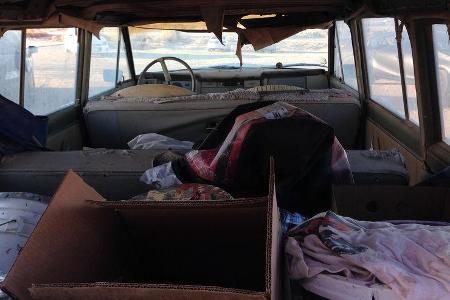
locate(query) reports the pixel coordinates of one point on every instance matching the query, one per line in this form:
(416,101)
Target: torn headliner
(15,13)
(286,17)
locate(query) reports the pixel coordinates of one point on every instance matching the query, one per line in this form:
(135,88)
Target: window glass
(410,80)
(103,69)
(124,69)
(203,50)
(10,44)
(344,41)
(383,66)
(442,57)
(51,69)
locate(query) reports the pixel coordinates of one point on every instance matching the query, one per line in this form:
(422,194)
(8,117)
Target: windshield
(203,50)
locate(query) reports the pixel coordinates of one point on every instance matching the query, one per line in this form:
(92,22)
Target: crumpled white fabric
(157,141)
(161,177)
(412,259)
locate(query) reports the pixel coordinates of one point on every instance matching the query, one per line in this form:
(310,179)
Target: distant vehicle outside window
(442,58)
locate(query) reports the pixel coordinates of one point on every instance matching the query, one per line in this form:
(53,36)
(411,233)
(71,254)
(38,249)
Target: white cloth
(161,177)
(412,259)
(157,141)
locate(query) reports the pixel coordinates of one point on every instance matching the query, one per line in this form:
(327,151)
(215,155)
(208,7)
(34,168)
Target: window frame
(79,69)
(398,43)
(336,47)
(439,134)
(405,132)
(82,68)
(436,150)
(23,51)
(427,92)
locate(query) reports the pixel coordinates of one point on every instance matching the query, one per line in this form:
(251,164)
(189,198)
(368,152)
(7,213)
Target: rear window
(442,57)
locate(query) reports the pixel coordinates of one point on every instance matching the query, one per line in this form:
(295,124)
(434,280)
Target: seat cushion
(378,167)
(153,90)
(114,121)
(114,173)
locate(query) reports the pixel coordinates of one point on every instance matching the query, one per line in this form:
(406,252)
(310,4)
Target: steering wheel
(167,77)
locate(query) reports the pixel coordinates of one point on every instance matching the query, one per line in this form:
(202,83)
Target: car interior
(102,73)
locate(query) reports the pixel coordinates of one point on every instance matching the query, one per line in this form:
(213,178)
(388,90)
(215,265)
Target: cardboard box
(377,203)
(85,247)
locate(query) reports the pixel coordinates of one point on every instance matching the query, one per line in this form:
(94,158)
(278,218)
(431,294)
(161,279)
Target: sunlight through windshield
(203,50)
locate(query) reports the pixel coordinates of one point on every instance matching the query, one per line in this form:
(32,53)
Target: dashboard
(223,80)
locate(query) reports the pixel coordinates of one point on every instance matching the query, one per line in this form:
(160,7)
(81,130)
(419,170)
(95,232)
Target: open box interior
(82,240)
(220,245)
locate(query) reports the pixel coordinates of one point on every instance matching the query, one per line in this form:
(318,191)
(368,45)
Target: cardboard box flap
(47,252)
(273,249)
(273,244)
(179,204)
(120,291)
(155,209)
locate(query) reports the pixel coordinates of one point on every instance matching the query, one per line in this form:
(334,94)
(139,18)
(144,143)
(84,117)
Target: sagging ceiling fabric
(283,18)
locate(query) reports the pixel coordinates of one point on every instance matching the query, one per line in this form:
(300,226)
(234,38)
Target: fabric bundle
(235,157)
(20,130)
(411,259)
(185,192)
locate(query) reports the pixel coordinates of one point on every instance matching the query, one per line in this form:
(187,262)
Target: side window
(10,57)
(344,58)
(442,57)
(383,68)
(50,69)
(108,61)
(104,53)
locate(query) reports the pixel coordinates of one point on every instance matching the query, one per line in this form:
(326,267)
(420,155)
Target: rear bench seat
(114,173)
(114,121)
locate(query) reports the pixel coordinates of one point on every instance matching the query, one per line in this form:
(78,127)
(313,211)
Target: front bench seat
(114,124)
(111,124)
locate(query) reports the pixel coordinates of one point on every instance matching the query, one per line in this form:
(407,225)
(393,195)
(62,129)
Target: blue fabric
(20,130)
(290,219)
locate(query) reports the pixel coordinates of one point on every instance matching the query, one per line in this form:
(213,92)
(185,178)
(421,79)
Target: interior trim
(402,130)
